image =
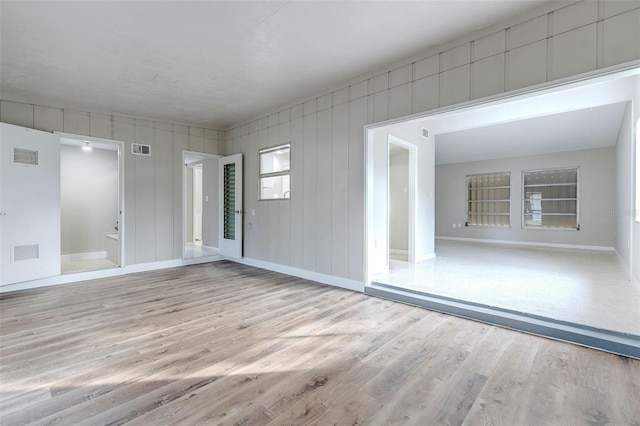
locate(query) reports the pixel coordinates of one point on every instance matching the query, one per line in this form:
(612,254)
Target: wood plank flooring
(224,343)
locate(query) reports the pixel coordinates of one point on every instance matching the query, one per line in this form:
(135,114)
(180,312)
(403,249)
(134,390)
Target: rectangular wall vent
(140,149)
(25,156)
(425,133)
(25,252)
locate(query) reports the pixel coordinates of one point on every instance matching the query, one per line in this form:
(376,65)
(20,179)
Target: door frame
(183,165)
(411,190)
(590,89)
(121,183)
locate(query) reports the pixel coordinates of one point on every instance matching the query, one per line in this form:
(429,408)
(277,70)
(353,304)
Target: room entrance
(200,205)
(91,204)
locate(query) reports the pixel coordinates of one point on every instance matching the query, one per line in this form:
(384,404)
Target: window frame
(261,175)
(468,213)
(577,199)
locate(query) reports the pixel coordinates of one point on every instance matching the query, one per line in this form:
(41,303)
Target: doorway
(401,200)
(200,205)
(90,204)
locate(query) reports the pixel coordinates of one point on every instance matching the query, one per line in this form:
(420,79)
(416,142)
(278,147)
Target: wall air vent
(425,133)
(140,149)
(25,156)
(24,252)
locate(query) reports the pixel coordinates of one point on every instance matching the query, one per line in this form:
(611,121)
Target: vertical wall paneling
(180,143)
(211,141)
(456,57)
(100,125)
(309,191)
(196,139)
(527,65)
(273,224)
(339,190)
(153,185)
(17,113)
(284,136)
(357,121)
(622,37)
(77,122)
(400,102)
(297,191)
(574,52)
(426,67)
(124,130)
(250,193)
(164,194)
(262,210)
(575,38)
(48,119)
(323,191)
(488,76)
(145,194)
(455,85)
(380,106)
(426,92)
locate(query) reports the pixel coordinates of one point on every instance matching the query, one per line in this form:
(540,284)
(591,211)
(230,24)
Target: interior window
(550,199)
(489,199)
(275,173)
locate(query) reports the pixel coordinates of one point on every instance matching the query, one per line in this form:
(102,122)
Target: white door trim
(121,183)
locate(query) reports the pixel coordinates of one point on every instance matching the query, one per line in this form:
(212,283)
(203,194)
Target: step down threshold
(606,340)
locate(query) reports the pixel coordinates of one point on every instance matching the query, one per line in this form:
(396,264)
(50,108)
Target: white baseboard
(528,243)
(106,273)
(398,251)
(75,257)
(425,257)
(332,280)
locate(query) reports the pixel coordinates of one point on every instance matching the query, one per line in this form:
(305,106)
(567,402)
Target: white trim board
(528,243)
(331,280)
(398,251)
(74,257)
(106,273)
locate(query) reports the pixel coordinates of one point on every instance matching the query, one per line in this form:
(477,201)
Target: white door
(29,204)
(197,205)
(231,206)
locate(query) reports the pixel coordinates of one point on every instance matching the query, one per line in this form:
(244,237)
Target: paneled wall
(153,185)
(321,228)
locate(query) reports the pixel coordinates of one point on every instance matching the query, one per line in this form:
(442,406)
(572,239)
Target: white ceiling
(215,63)
(588,128)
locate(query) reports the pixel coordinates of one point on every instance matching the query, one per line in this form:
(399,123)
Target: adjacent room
(320,212)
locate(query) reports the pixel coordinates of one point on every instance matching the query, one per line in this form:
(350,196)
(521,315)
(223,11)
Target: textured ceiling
(214,63)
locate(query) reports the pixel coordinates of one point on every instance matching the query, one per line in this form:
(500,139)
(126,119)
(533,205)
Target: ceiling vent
(140,149)
(425,133)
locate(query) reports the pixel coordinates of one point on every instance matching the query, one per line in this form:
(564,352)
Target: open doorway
(572,270)
(90,204)
(200,205)
(401,200)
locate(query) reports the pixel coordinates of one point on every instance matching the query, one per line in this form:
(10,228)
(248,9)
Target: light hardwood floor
(230,344)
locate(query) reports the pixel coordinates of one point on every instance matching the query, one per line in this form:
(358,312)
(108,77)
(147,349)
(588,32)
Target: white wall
(88,198)
(597,196)
(635,256)
(399,200)
(153,185)
(623,202)
(189,206)
(321,228)
(210,213)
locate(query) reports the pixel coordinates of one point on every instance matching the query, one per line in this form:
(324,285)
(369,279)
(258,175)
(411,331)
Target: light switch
(253,212)
(206,198)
